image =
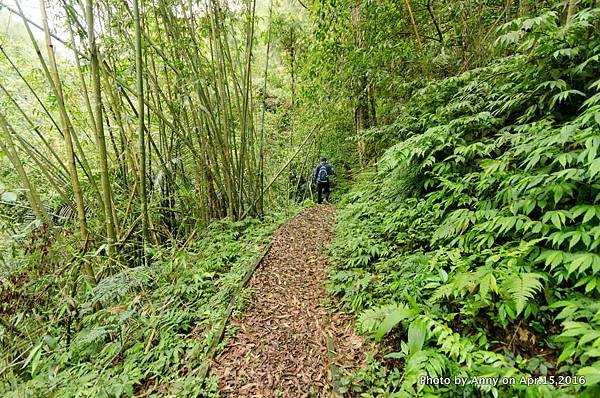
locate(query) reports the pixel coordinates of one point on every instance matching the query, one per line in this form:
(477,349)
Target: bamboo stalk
(261,150)
(285,165)
(413,23)
(140,110)
(571,10)
(99,131)
(66,127)
(7,146)
(81,158)
(37,131)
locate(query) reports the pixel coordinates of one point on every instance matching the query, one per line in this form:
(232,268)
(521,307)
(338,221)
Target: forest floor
(289,341)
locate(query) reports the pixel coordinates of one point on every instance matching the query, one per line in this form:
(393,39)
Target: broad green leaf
(575,237)
(589,214)
(591,374)
(558,219)
(391,320)
(591,285)
(417,332)
(581,262)
(33,358)
(394,355)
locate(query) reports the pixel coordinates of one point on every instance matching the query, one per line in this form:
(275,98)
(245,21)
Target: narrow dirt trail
(281,345)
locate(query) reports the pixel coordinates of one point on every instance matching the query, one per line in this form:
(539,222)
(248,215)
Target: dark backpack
(323,176)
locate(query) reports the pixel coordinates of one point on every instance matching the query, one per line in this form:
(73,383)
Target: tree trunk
(140,111)
(507,6)
(261,153)
(523,8)
(361,118)
(571,10)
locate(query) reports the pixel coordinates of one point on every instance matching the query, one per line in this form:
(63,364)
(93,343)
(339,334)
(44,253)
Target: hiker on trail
(321,176)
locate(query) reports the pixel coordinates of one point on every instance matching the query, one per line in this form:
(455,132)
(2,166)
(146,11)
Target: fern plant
(484,219)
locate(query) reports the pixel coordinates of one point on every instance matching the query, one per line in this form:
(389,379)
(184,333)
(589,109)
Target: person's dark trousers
(322,190)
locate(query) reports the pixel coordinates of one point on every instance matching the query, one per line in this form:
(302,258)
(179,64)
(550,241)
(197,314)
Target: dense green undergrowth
(472,250)
(155,325)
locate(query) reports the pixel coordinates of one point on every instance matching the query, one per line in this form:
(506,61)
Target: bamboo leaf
(33,359)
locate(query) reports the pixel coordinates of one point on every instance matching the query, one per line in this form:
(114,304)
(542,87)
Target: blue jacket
(327,167)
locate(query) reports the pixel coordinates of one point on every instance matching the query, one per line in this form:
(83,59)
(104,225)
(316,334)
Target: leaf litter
(280,347)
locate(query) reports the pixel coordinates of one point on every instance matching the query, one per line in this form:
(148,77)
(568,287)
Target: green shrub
(154,327)
(474,245)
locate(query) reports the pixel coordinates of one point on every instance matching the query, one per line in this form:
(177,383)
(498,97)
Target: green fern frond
(522,288)
(116,286)
(91,336)
(443,291)
(371,318)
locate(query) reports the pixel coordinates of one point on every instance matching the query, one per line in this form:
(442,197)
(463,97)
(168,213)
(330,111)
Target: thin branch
(435,23)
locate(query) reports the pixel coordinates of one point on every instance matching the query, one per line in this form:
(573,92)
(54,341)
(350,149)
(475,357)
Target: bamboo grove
(166,88)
